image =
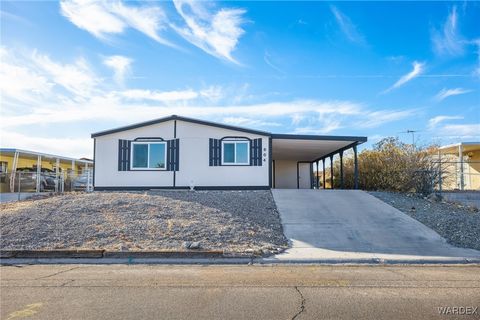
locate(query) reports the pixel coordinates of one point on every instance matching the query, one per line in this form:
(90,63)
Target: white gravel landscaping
(233,221)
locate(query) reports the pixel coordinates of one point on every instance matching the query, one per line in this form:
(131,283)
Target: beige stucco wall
(194,159)
(473,169)
(286,174)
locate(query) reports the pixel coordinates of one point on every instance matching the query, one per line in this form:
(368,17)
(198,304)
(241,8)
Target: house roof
(225,126)
(175,117)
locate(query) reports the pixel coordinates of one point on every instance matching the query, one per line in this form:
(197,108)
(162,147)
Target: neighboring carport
(294,156)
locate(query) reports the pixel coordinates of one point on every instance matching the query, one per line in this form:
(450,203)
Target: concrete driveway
(353,226)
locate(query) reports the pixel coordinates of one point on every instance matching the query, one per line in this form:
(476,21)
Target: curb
(373,261)
(42,254)
(105,254)
(8,257)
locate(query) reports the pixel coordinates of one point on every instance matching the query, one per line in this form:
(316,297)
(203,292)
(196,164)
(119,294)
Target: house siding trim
(144,188)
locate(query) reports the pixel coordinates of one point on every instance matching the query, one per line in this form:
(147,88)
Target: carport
(294,157)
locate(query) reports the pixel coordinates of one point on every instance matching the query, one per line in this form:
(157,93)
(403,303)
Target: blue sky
(377,69)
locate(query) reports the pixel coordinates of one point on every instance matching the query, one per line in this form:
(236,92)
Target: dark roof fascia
(331,154)
(317,137)
(174,117)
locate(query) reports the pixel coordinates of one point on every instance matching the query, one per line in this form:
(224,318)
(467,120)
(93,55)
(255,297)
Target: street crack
(302,304)
(57,273)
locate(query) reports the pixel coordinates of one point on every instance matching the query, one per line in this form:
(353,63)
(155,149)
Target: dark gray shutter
(173,153)
(124,155)
(256,152)
(214,152)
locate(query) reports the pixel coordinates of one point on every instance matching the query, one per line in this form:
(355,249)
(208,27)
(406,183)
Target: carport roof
(34,154)
(310,147)
(466,147)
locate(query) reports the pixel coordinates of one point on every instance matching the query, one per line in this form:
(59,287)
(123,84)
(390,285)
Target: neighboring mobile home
(461,166)
(180,152)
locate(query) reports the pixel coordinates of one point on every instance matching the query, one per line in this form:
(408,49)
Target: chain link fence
(21,182)
(457,175)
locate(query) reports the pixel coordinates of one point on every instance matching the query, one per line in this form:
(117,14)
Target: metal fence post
(19,183)
(439,172)
(88,181)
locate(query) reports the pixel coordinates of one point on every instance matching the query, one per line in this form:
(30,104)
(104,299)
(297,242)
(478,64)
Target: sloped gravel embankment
(458,224)
(234,221)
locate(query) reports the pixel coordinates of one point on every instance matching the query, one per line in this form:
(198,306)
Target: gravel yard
(458,224)
(233,221)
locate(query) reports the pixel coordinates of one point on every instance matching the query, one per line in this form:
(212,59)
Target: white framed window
(235,152)
(148,156)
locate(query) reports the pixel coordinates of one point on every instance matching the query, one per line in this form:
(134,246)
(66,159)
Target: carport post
(355,172)
(460,157)
(57,174)
(323,162)
(318,182)
(331,172)
(39,171)
(341,170)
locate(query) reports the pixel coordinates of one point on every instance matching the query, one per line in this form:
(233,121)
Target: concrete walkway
(15,196)
(353,226)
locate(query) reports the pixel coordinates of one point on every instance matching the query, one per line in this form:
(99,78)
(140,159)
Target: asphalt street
(239,292)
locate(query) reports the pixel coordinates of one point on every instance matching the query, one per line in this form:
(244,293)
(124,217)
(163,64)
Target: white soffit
(304,150)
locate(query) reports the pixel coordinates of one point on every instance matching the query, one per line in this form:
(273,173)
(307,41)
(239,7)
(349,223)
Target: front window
(149,155)
(236,152)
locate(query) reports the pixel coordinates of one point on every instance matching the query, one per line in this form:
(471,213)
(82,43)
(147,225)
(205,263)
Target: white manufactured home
(179,152)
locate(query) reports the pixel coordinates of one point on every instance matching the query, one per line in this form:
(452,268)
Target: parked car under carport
(27,179)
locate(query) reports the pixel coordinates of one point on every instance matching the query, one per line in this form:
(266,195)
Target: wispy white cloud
(93,17)
(76,94)
(418,68)
(448,40)
(435,121)
(113,17)
(215,33)
(159,96)
(476,71)
(460,130)
(211,94)
(445,93)
(249,122)
(120,66)
(347,27)
(19,82)
(77,77)
(320,129)
(11,16)
(380,117)
(70,147)
(267,58)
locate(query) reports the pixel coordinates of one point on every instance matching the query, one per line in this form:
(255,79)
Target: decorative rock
(434,197)
(194,245)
